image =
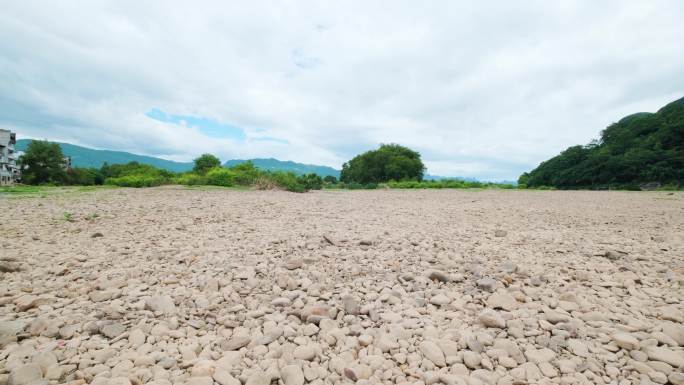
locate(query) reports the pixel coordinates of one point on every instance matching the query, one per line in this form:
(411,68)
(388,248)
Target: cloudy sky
(483,89)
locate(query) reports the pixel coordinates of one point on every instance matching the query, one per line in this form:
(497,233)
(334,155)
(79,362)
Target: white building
(9,170)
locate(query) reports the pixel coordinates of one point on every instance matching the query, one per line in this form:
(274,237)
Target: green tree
(42,163)
(205,163)
(389,162)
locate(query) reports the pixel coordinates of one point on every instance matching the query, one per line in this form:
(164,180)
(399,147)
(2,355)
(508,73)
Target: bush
(286,180)
(310,181)
(222,177)
(190,179)
(84,177)
(246,173)
(140,180)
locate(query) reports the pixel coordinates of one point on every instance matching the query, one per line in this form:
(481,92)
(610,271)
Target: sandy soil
(172,285)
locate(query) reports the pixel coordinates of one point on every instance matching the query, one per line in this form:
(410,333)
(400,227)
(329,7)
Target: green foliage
(389,162)
(285,180)
(205,163)
(330,179)
(447,183)
(43,163)
(221,177)
(310,181)
(246,173)
(190,179)
(640,148)
(84,177)
(134,174)
(137,181)
(69,217)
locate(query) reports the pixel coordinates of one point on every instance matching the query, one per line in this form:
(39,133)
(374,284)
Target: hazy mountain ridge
(88,157)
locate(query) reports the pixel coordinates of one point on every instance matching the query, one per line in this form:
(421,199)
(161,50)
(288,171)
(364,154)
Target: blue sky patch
(270,139)
(206,126)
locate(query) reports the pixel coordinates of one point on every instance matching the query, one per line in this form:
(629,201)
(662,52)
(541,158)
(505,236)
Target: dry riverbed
(184,286)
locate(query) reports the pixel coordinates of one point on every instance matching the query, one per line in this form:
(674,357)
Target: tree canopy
(205,163)
(43,163)
(389,162)
(640,148)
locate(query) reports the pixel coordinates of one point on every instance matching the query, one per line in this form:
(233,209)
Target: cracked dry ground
(184,286)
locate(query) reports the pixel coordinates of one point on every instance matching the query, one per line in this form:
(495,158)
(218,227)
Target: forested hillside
(640,148)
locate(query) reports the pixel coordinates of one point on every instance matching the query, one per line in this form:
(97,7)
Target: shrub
(310,181)
(286,180)
(222,177)
(140,180)
(190,179)
(246,173)
(84,177)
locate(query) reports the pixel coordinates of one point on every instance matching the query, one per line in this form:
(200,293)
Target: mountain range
(88,157)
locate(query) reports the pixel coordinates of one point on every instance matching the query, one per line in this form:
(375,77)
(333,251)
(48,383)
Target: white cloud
(486,90)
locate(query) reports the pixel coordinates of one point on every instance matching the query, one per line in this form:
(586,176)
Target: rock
(294,263)
(433,352)
(26,302)
(471,359)
(540,355)
(25,374)
(440,300)
(223,377)
(315,313)
(508,268)
(203,368)
(281,302)
(487,284)
(230,360)
(491,320)
(676,378)
(437,275)
(236,343)
(306,352)
(200,381)
(9,267)
(578,348)
(100,295)
(614,255)
(500,233)
(666,355)
(626,341)
(97,235)
(358,372)
(136,338)
(502,301)
(351,305)
(674,331)
(11,328)
(161,304)
(292,375)
(258,378)
(112,330)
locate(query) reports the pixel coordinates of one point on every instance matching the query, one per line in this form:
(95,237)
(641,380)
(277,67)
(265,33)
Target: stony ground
(179,286)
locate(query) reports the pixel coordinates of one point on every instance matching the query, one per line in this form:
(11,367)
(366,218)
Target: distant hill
(639,149)
(272,164)
(88,157)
